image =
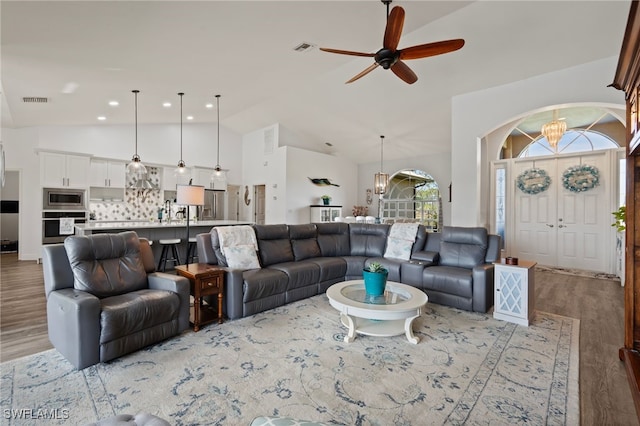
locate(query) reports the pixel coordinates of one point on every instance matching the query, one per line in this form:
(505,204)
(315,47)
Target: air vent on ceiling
(36,99)
(304,46)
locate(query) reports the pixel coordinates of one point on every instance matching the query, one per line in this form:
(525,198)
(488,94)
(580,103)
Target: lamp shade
(190,195)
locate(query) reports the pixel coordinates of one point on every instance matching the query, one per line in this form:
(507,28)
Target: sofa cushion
(331,268)
(448,279)
(368,239)
(333,239)
(126,314)
(463,247)
(304,241)
(106,264)
(262,283)
(274,244)
(300,273)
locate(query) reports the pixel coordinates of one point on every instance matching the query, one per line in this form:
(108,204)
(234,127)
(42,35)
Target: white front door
(560,227)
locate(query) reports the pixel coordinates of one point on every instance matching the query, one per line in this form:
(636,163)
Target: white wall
(437,165)
(475,114)
(301,192)
(157,144)
(285,172)
(20,145)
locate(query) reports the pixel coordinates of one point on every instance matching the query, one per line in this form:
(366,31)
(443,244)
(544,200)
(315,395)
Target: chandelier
(554,130)
(381,180)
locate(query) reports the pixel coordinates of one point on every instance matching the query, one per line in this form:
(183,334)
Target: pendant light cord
(180,94)
(218,149)
(381,151)
(136,120)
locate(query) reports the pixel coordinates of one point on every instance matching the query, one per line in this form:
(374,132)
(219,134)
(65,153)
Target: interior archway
(413,196)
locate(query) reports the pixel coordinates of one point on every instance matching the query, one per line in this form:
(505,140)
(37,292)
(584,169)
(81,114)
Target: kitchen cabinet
(202,176)
(323,213)
(63,170)
(107,174)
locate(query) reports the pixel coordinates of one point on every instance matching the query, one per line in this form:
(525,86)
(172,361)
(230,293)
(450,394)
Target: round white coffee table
(388,315)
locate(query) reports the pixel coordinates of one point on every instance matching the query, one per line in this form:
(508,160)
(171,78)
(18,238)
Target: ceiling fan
(390,57)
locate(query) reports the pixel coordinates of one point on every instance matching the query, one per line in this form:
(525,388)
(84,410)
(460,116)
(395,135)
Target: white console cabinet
(514,293)
(324,213)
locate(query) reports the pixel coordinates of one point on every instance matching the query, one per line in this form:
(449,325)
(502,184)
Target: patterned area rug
(468,368)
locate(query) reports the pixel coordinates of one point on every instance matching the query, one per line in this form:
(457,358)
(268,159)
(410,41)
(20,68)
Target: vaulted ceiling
(81,55)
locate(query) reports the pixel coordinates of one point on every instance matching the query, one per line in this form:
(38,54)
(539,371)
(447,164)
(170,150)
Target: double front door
(560,227)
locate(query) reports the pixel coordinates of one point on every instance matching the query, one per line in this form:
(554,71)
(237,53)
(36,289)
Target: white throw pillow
(398,248)
(242,256)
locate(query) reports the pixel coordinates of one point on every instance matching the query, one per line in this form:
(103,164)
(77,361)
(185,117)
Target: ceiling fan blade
(347,52)
(363,73)
(404,72)
(431,49)
(393,31)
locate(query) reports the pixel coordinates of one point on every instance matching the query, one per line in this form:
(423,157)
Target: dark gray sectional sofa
(453,267)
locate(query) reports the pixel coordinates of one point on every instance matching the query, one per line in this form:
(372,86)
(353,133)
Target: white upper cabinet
(108,174)
(63,170)
(202,176)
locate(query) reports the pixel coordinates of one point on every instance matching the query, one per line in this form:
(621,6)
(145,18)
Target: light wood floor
(605,398)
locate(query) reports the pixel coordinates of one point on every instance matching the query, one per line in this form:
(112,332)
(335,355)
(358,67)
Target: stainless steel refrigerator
(213,208)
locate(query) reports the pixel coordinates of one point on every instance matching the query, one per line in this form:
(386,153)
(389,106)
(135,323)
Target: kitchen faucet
(167,208)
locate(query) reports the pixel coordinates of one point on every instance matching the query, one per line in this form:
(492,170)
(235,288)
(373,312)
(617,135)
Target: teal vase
(374,282)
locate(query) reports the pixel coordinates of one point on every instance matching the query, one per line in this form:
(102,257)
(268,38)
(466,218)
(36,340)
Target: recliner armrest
(206,254)
(427,256)
(176,284)
(73,319)
(482,287)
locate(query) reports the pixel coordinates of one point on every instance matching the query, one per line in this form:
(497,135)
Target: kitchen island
(154,231)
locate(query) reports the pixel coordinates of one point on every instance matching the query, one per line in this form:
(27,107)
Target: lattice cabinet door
(514,292)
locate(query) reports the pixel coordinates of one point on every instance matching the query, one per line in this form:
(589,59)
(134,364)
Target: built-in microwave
(63,199)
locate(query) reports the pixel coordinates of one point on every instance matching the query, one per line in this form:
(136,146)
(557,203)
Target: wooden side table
(514,292)
(206,280)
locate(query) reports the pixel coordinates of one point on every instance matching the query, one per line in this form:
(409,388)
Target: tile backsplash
(137,204)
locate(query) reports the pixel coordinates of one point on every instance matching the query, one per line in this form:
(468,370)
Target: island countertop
(90,227)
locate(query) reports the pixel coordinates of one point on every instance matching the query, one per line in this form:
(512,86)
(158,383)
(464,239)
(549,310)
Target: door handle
(550,225)
(561,226)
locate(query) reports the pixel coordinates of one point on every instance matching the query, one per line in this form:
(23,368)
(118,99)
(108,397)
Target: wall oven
(63,199)
(58,225)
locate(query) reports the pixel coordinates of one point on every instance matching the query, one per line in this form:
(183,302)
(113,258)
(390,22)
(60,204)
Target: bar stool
(192,250)
(169,253)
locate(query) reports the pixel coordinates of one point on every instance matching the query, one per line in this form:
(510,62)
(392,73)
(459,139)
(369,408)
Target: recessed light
(166,104)
(114,103)
(189,117)
(101,117)
(209,105)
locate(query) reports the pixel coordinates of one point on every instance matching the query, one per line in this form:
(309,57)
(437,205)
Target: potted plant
(620,215)
(375,279)
(326,200)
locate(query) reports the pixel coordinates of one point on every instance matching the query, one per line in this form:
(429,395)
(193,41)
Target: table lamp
(189,195)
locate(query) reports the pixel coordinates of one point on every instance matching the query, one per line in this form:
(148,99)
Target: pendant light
(181,170)
(554,130)
(381,180)
(135,168)
(219,176)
